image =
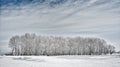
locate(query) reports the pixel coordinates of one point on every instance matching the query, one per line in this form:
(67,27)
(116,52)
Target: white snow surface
(60,61)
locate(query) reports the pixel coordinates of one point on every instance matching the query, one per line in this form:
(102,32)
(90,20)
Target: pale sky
(91,18)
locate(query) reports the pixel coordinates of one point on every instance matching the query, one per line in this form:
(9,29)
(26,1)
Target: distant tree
(31,44)
(14,43)
(111,49)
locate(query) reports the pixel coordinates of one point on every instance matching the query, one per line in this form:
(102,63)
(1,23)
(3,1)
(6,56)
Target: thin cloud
(93,17)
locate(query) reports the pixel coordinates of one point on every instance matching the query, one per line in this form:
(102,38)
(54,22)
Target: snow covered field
(60,61)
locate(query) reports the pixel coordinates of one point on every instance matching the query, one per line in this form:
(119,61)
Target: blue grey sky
(89,18)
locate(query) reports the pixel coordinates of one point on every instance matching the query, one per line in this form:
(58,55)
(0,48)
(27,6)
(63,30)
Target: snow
(60,61)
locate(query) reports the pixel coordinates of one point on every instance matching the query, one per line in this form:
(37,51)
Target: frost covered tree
(15,45)
(31,44)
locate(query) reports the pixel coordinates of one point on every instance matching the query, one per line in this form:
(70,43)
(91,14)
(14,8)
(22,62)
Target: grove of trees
(31,44)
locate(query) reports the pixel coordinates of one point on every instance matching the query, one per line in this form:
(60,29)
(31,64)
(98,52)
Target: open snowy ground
(60,61)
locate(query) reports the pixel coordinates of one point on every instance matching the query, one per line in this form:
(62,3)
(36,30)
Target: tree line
(32,44)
